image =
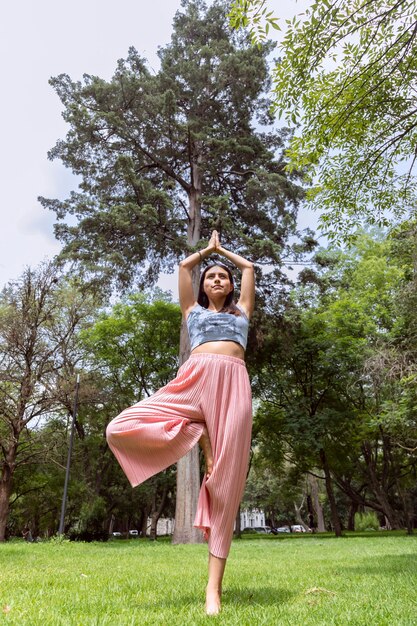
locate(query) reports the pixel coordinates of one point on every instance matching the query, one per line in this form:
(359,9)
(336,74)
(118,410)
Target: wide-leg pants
(211,390)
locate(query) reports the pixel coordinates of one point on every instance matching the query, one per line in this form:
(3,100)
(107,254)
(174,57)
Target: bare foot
(205,444)
(213,601)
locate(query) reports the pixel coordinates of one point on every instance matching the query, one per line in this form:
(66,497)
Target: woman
(209,401)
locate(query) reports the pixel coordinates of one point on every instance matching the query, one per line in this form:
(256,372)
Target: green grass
(368,580)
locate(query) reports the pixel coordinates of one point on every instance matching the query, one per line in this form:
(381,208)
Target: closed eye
(214,275)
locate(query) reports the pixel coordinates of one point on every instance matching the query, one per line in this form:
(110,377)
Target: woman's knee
(110,430)
(113,427)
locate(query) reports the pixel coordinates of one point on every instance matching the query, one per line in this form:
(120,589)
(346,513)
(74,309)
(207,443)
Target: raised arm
(185,282)
(247,289)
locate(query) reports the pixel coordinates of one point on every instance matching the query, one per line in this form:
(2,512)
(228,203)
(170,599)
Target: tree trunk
(318,509)
(156,513)
(404,494)
(298,517)
(380,494)
(188,477)
(238,529)
(6,482)
(408,507)
(188,468)
(357,497)
(144,525)
(111,524)
(330,494)
(5,491)
(353,509)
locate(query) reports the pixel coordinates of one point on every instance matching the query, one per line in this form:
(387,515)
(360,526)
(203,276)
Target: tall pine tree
(165,157)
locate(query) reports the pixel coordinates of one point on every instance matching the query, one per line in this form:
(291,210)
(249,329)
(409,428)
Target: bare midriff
(229,348)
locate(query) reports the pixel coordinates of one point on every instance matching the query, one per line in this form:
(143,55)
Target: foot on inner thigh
(213,601)
(205,444)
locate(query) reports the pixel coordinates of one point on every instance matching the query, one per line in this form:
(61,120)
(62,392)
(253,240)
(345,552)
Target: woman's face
(217,283)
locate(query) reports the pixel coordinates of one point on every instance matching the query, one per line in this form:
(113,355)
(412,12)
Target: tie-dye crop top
(204,325)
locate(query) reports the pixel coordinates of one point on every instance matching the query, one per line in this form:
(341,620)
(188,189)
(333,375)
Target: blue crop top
(204,325)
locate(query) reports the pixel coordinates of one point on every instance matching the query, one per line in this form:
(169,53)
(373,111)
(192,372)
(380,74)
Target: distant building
(248,519)
(251,518)
(164,526)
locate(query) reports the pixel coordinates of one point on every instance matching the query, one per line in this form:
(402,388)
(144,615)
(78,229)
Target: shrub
(91,523)
(366,521)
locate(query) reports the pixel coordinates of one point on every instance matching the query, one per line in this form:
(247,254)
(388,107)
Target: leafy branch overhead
(255,17)
(346,80)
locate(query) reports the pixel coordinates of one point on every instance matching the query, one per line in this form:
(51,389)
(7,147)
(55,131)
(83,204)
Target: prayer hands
(214,243)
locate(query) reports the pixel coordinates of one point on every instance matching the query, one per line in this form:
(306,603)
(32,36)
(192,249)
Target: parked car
(282,529)
(262,529)
(116,534)
(133,533)
(297,528)
(257,529)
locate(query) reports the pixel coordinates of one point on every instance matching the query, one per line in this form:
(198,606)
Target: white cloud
(40,40)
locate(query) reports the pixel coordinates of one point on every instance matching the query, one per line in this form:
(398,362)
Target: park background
(331,356)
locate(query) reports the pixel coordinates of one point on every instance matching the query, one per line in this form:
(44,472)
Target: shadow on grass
(386,565)
(263,596)
(380,534)
(239,596)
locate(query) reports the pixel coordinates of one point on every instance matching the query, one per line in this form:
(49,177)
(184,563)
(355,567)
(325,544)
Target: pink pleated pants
(211,389)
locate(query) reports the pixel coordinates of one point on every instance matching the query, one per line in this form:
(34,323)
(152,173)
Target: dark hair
(229,305)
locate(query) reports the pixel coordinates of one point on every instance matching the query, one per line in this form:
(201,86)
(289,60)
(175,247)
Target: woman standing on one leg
(219,327)
(209,401)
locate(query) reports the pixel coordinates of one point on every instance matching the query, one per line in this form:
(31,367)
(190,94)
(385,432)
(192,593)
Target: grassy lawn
(368,580)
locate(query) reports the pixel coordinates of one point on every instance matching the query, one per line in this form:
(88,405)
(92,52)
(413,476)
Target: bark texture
(337,526)
(379,492)
(188,468)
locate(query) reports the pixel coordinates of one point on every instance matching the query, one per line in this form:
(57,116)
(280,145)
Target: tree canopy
(338,379)
(40,317)
(345,78)
(122,354)
(333,375)
(165,157)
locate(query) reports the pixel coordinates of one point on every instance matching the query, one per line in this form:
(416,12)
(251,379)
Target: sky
(47,38)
